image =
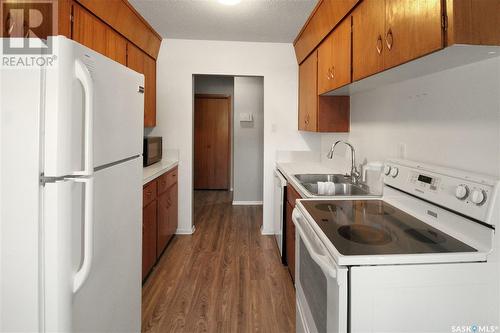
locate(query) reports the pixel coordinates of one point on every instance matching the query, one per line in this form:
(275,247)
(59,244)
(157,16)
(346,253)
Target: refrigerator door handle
(83,75)
(88,234)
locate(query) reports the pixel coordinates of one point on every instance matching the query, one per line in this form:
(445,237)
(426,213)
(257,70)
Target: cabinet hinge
(444,22)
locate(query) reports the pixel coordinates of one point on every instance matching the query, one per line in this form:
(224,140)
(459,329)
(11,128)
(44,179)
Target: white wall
(180,59)
(248,139)
(450,118)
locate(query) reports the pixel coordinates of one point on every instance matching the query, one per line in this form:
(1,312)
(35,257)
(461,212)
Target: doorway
(212,142)
(228,143)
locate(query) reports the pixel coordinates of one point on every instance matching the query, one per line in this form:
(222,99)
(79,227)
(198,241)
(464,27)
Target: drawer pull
(389,39)
(379,44)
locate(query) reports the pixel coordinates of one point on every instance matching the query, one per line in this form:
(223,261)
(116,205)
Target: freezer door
(109,300)
(93,111)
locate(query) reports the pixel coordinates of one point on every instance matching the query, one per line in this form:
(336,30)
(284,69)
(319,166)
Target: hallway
(226,277)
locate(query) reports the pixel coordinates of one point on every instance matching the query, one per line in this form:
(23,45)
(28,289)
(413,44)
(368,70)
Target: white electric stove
(422,258)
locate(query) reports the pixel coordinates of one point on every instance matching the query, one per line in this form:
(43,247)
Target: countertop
(155,170)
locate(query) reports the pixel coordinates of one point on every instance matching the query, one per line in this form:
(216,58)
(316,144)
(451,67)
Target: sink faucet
(354,171)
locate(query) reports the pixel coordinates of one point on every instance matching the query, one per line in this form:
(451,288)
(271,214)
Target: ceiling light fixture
(229,2)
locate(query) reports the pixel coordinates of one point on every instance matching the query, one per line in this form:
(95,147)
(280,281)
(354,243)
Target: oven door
(321,285)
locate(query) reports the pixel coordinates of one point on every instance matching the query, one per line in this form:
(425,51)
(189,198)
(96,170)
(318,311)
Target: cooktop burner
(364,227)
(364,234)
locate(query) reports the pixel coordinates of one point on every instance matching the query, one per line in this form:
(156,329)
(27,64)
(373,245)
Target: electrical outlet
(402,150)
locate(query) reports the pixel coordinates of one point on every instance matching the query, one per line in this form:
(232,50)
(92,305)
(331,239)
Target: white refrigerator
(71,194)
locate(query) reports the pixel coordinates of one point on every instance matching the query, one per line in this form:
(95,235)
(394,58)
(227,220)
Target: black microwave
(152,150)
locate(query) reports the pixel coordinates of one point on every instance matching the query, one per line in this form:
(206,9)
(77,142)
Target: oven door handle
(322,260)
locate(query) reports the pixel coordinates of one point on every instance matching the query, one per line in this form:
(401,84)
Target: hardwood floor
(226,277)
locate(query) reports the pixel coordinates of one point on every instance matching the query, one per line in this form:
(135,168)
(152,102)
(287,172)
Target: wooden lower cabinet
(148,238)
(291,196)
(290,241)
(159,218)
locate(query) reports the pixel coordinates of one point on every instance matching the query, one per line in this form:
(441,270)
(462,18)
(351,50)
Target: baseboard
(266,232)
(247,203)
(185,231)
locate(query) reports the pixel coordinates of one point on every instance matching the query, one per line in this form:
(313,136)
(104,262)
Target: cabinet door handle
(389,39)
(379,44)
(332,72)
(328,75)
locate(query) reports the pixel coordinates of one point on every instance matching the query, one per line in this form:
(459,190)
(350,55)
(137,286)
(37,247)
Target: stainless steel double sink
(343,185)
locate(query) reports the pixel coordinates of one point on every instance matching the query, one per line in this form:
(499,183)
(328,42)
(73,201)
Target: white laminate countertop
(155,170)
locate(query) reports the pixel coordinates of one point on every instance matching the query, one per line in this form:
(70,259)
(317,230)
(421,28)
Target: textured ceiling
(250,20)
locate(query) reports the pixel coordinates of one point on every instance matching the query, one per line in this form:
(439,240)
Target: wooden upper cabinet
(150,91)
(334,59)
(388,33)
(135,58)
(412,29)
(122,16)
(326,15)
(144,64)
(116,46)
(368,31)
(308,93)
(319,113)
(473,22)
(88,30)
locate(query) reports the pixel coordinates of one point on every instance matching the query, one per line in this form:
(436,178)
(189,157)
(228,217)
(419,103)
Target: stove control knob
(461,192)
(478,197)
(394,172)
(387,170)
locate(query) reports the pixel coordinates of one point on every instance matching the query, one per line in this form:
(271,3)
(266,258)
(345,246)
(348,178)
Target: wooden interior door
(308,93)
(413,29)
(212,142)
(368,39)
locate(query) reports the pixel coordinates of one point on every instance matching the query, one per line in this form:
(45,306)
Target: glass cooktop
(371,227)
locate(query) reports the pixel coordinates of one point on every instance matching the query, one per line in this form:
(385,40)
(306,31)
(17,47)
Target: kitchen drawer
(291,195)
(166,180)
(148,193)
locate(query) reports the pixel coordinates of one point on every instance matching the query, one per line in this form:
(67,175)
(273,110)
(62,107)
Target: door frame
(230,132)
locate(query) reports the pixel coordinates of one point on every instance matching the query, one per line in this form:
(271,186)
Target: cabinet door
(173,210)
(412,29)
(368,38)
(290,241)
(89,30)
(334,59)
(148,238)
(116,46)
(144,64)
(135,58)
(308,93)
(163,230)
(150,91)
